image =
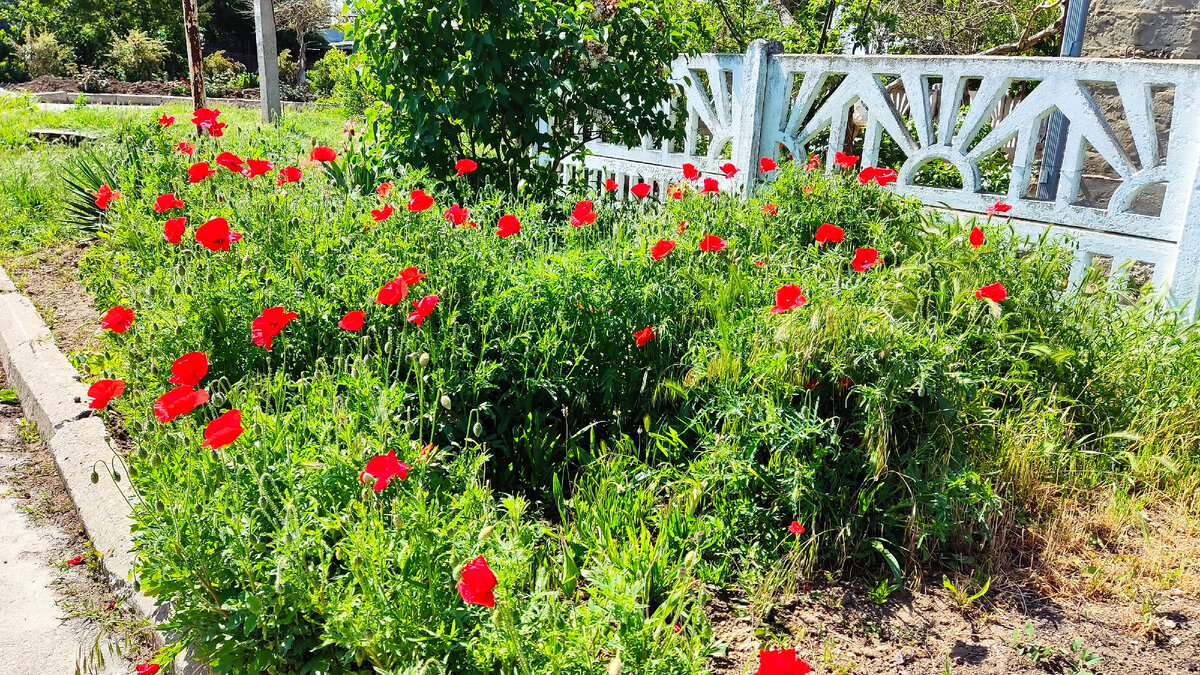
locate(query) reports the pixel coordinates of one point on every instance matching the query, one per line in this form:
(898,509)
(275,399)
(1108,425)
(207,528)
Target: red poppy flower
(508,226)
(611,185)
(690,172)
(728,169)
(288,174)
(844,382)
(661,249)
(681,227)
(711,243)
(166,120)
(796,527)
(174,228)
(827,233)
(995,292)
(760,263)
(103,391)
(998,207)
(257,167)
(781,662)
(422,308)
(477,583)
(865,259)
(383,214)
(812,383)
(813,162)
(214,235)
(384,188)
(583,214)
(179,401)
(223,430)
(382,469)
(185,147)
(419,201)
(675,191)
(976,237)
(877,175)
(788,297)
(766,164)
(411,276)
(845,161)
(199,171)
(457,215)
(118,319)
(641,190)
(147,669)
(710,186)
(807,189)
(269,324)
(105,196)
(75,561)
(322,153)
(229,161)
(465,166)
(189,369)
(353,321)
(769,209)
(392,292)
(206,120)
(644,336)
(167,202)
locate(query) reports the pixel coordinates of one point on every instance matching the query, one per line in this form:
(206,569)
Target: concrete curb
(54,397)
(153,100)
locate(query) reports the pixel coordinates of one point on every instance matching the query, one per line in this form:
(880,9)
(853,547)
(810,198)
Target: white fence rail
(1130,174)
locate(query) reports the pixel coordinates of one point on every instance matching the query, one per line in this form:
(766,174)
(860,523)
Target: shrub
(484,76)
(335,78)
(42,54)
(901,418)
(12,66)
(289,70)
(137,56)
(327,72)
(92,80)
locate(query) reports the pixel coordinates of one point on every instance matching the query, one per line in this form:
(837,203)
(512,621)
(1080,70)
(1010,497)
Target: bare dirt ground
(55,617)
(50,278)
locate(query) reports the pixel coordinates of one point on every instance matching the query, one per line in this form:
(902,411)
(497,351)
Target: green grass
(613,489)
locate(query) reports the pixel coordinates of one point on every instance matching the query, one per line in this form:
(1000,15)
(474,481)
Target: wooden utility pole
(191,31)
(268,59)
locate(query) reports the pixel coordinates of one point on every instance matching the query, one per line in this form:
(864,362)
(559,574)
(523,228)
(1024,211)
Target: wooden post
(191,31)
(268,59)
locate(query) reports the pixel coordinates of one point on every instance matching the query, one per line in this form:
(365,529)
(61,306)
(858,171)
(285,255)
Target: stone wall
(1160,29)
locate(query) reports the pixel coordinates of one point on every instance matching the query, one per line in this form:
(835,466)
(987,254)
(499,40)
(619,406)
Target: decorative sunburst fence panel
(1128,185)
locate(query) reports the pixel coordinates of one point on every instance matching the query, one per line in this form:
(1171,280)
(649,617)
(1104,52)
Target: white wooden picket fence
(1139,120)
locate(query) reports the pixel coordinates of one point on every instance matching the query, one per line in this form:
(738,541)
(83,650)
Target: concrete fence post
(268,59)
(750,114)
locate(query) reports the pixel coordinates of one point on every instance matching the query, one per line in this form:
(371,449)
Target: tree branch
(1026,41)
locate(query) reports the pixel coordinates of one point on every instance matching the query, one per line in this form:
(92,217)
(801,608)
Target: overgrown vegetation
(904,421)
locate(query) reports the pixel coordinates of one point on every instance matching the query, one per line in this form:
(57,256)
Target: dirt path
(55,618)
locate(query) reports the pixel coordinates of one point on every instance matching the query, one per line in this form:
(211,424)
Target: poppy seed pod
(445,401)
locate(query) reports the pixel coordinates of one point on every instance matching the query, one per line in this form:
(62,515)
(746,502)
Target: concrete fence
(1129,186)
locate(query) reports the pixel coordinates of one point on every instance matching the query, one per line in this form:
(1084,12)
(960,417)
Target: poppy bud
(397,521)
(216,456)
(155,460)
(137,585)
(95,476)
(445,401)
(199,508)
(159,506)
(477,429)
(689,559)
(486,532)
(614,666)
(133,473)
(424,360)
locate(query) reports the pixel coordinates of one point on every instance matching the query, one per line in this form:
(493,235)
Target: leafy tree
(478,78)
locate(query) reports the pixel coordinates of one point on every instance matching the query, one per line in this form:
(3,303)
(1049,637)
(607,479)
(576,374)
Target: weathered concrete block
(6,284)
(79,447)
(20,322)
(47,384)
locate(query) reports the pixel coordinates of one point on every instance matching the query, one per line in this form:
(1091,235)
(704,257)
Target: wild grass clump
(904,421)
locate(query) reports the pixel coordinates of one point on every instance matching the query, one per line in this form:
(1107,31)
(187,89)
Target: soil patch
(50,278)
(48,83)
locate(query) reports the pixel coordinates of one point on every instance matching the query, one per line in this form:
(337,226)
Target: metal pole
(268,59)
(1056,133)
(191,31)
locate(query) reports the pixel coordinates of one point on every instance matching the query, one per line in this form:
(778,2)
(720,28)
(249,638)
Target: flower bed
(479,433)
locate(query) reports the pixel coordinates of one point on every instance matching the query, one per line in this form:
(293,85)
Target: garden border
(53,396)
(150,100)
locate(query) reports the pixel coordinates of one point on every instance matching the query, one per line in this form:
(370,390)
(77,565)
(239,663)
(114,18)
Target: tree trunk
(300,60)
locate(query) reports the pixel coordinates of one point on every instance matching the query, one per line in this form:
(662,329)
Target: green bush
(465,79)
(325,74)
(137,56)
(900,418)
(42,54)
